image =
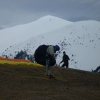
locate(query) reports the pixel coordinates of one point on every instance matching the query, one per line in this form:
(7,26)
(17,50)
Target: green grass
(28,82)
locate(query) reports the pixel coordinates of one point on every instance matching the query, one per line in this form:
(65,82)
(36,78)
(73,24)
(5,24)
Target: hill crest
(81,40)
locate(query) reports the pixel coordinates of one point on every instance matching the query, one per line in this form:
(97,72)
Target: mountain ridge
(81,41)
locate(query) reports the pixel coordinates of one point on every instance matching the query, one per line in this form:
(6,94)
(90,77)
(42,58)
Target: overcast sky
(15,12)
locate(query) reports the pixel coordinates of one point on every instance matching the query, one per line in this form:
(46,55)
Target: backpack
(40,55)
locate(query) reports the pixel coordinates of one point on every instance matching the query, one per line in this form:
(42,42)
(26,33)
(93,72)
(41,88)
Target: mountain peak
(81,40)
(53,18)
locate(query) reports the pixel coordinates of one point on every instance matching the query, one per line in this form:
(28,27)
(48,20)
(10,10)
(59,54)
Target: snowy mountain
(80,40)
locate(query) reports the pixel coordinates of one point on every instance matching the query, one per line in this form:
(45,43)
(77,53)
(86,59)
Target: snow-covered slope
(20,33)
(80,40)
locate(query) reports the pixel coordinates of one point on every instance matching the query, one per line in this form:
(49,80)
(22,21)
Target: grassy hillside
(27,82)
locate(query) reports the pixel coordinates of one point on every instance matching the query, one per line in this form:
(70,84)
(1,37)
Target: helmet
(57,47)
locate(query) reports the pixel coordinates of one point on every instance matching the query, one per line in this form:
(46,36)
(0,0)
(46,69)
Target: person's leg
(66,64)
(63,65)
(48,67)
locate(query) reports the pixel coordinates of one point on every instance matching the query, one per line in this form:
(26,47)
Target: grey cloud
(13,12)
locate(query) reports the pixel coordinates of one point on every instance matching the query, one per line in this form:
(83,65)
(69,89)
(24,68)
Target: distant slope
(80,40)
(30,83)
(21,33)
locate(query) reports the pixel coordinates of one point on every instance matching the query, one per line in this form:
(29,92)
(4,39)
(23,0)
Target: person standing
(45,55)
(65,60)
(50,59)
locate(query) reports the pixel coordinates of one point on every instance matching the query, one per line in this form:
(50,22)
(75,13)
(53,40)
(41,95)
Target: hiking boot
(51,76)
(48,76)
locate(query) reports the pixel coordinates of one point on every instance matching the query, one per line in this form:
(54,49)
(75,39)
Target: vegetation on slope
(28,82)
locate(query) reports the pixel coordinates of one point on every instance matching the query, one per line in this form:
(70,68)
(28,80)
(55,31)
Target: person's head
(57,48)
(64,52)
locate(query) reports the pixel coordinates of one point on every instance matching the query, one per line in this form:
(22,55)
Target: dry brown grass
(22,82)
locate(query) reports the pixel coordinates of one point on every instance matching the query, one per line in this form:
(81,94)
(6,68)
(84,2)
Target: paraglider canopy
(40,55)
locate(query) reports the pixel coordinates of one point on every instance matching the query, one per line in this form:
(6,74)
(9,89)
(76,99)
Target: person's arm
(61,61)
(68,57)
